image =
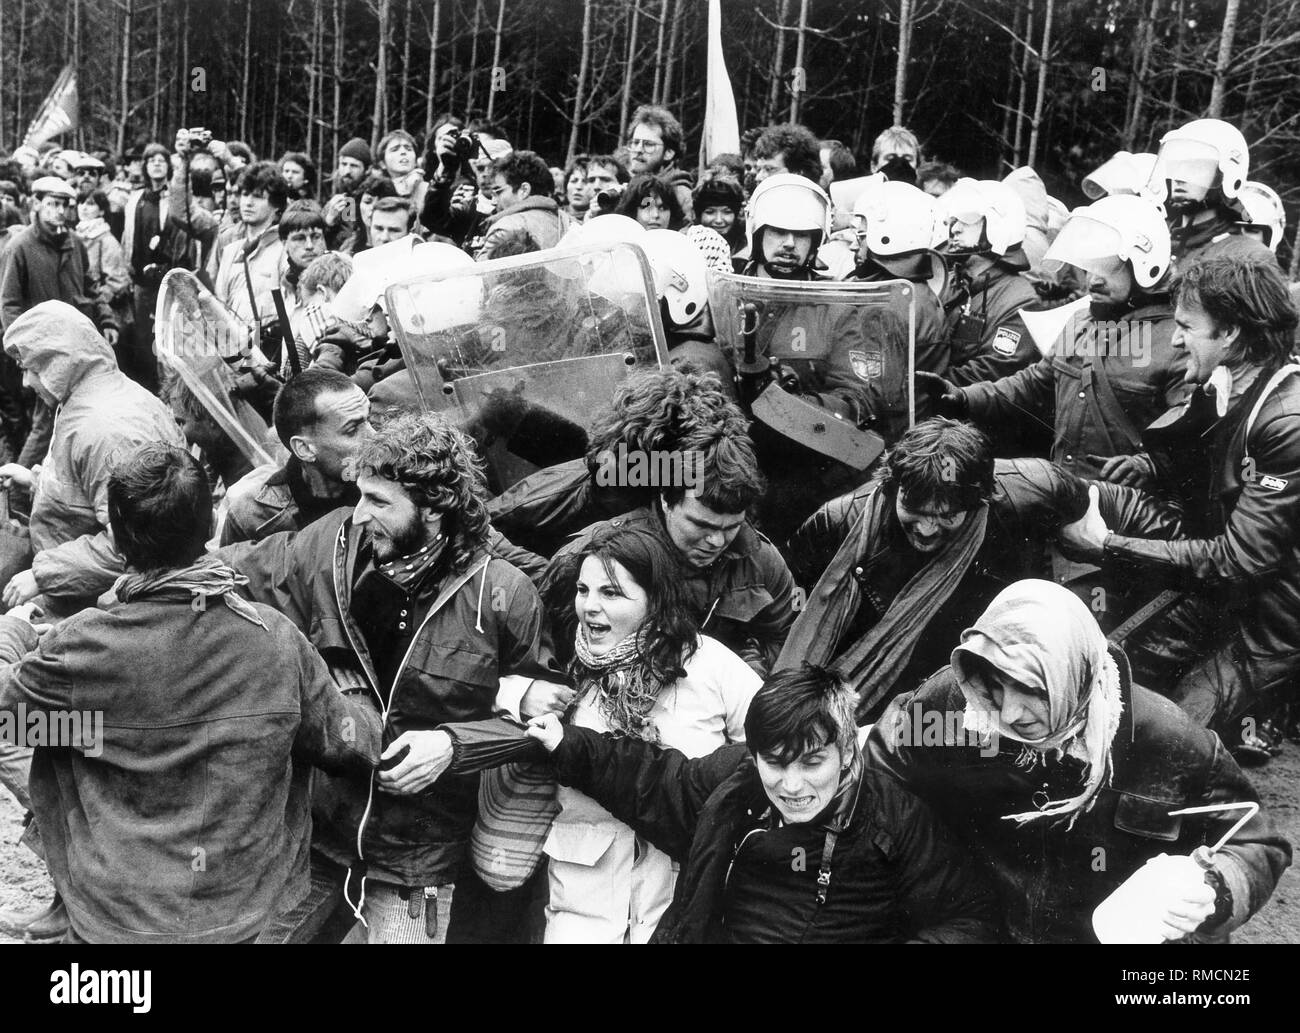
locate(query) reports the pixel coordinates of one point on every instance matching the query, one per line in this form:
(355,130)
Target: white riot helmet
(997,204)
(897,222)
(789,202)
(1260,206)
(1125,173)
(681,275)
(1208,152)
(1123,226)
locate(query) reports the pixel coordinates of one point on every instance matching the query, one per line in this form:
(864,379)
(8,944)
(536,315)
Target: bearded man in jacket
(404,599)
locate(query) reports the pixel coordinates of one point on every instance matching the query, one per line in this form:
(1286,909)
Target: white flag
(721,127)
(58,113)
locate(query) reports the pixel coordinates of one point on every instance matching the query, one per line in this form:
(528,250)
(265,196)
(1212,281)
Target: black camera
(607,200)
(466,146)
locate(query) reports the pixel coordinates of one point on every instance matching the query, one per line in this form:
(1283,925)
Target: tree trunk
(20,79)
(1044,55)
(584,63)
(800,76)
(674,40)
(312,73)
(338,73)
(1265,20)
(625,109)
(1178,60)
(76,71)
(248,50)
(1142,66)
(406,66)
(1016,29)
(1225,56)
(904,49)
(157,72)
(381,83)
(778,63)
(274,135)
(473,59)
(496,59)
(655,93)
(185,63)
(433,65)
(1024,87)
(125,81)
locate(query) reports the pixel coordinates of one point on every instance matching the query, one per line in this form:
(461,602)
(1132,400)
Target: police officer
(1206,162)
(1235,323)
(1110,373)
(896,225)
(789,217)
(986,233)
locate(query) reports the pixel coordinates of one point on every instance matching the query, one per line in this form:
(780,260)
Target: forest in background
(986,84)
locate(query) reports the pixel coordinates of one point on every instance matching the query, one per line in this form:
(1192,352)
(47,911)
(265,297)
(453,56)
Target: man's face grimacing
(393,523)
(385,227)
(700,534)
(806,786)
(785,252)
(342,427)
(54,212)
(928,528)
(765,167)
(1205,342)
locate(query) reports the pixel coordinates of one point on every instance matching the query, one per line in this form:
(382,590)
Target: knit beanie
(356,148)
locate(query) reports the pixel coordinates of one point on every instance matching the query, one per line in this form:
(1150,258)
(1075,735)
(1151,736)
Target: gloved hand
(949,399)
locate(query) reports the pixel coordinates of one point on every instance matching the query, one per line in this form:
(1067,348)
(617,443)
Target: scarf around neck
(625,692)
(871,664)
(1044,637)
(207,578)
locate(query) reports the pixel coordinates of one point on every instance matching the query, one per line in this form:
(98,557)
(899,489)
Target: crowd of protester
(363,692)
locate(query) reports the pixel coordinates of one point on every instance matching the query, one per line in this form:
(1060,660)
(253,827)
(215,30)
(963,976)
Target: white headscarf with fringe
(1045,638)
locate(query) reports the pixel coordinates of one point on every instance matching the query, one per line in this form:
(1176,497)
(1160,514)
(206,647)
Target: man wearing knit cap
(341,209)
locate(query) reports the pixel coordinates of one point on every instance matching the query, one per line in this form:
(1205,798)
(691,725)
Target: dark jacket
(1251,558)
(40,268)
(193,823)
(1095,390)
(460,224)
(889,386)
(744,600)
(993,341)
(895,874)
(1031,499)
(450,671)
(1213,237)
(548,507)
(1050,879)
(836,373)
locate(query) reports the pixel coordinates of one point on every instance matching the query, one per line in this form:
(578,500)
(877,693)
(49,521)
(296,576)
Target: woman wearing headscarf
(1061,774)
(641,670)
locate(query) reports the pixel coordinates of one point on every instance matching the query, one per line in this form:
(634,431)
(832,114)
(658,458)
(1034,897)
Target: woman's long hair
(658,187)
(669,635)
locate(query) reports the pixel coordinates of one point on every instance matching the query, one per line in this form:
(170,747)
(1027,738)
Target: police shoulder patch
(867,365)
(1272,483)
(1005,342)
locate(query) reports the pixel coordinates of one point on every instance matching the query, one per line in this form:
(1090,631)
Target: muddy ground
(23,882)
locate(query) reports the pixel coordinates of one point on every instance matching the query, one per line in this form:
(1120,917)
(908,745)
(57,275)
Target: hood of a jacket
(59,345)
(1033,194)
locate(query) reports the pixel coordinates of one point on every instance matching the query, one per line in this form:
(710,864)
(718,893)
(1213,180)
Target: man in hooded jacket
(100,415)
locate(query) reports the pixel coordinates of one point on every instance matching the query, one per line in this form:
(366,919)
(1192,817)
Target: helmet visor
(1086,243)
(1190,161)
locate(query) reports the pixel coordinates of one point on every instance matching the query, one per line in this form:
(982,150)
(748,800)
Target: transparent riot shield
(199,339)
(868,328)
(522,351)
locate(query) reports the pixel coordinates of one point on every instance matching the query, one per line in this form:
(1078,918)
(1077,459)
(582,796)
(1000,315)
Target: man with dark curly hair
(405,599)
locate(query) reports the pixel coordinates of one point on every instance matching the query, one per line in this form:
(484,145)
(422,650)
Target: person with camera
(459,162)
(607,178)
